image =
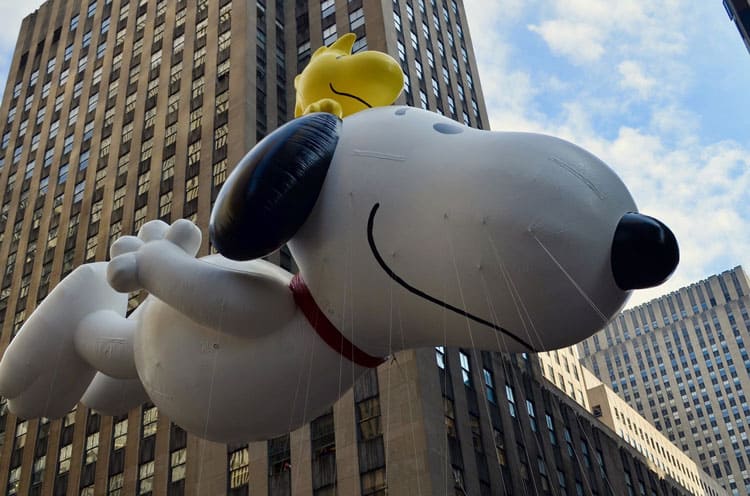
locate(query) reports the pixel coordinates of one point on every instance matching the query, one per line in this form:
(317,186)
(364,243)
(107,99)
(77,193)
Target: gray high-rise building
(121,111)
(681,361)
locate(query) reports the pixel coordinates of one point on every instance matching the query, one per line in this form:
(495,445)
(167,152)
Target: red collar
(326,330)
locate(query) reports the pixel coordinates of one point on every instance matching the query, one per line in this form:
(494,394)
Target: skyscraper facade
(121,111)
(682,363)
(563,368)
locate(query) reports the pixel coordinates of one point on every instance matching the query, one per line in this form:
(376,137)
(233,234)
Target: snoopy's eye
(445,128)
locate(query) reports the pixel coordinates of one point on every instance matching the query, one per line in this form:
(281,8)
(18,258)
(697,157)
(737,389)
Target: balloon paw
(122,272)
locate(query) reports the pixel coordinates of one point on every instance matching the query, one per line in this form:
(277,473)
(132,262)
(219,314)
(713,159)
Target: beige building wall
(663,456)
(121,111)
(563,369)
(681,361)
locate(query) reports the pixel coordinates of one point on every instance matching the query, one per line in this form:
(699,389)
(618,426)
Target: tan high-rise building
(681,362)
(563,368)
(121,111)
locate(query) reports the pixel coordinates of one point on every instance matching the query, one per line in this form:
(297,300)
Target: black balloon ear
(273,189)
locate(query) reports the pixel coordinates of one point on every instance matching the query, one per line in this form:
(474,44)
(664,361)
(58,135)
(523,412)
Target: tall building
(121,111)
(563,369)
(739,13)
(682,363)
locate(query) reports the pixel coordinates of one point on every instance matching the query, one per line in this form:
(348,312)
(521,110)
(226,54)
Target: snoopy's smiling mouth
(422,294)
(330,85)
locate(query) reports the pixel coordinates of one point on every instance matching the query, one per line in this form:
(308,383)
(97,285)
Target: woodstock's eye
(445,128)
(339,56)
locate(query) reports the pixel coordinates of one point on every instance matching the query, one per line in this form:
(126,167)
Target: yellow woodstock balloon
(342,83)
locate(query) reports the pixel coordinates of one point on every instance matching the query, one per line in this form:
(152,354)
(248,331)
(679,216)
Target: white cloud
(634,78)
(673,120)
(586,30)
(581,42)
(626,98)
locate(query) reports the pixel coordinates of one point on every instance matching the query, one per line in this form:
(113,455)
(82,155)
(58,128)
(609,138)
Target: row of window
(701,297)
(191,189)
(544,431)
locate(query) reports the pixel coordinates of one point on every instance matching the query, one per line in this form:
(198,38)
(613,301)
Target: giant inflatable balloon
(409,230)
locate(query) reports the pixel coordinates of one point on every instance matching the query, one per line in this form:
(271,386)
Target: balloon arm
(240,303)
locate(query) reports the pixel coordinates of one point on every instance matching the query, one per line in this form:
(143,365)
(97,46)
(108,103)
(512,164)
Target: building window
(150,420)
(476,433)
(146,478)
(532,415)
(440,356)
(327,8)
(323,451)
(14,481)
(115,484)
(543,477)
(239,472)
(194,153)
(63,459)
(167,168)
(220,136)
(165,204)
(489,386)
(329,35)
(219,173)
(465,368)
(511,400)
(279,465)
(449,413)
(373,482)
(585,453)
(368,414)
(177,463)
(356,19)
(196,117)
(551,429)
(191,189)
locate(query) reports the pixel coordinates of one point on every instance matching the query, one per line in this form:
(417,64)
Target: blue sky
(655,89)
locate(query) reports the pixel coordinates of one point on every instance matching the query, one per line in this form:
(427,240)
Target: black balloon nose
(644,252)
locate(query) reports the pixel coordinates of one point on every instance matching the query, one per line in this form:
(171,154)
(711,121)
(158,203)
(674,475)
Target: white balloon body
(426,232)
(225,387)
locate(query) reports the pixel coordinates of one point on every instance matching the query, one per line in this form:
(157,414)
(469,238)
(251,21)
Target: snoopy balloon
(409,230)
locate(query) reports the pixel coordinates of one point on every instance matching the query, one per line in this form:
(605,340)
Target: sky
(655,89)
(658,90)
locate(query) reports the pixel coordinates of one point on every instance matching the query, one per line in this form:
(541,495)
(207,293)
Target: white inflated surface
(224,387)
(110,396)
(513,230)
(41,373)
